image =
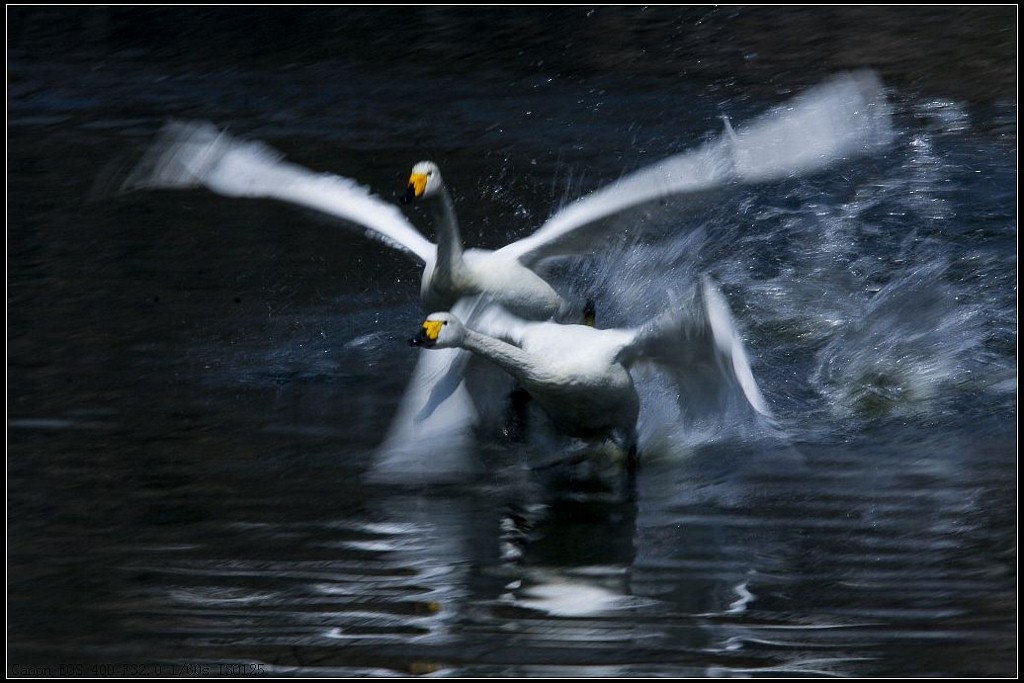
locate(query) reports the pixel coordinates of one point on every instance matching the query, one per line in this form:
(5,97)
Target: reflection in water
(565,595)
(398,579)
(695,578)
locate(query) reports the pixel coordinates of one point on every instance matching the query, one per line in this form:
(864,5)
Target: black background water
(196,384)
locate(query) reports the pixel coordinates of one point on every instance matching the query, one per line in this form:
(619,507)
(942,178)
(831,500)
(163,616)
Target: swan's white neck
(508,357)
(449,241)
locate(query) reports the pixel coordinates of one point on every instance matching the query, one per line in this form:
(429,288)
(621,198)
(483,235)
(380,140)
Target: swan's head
(424,182)
(439,331)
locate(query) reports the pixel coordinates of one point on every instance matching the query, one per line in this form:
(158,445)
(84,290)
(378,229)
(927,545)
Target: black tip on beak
(410,194)
(421,339)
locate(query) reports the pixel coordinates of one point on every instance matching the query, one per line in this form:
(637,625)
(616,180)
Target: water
(196,384)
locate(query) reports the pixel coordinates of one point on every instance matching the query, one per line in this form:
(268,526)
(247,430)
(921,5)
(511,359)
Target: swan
(843,117)
(580,376)
(455,272)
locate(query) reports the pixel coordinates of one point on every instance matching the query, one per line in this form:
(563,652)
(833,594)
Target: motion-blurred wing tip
(177,157)
(730,345)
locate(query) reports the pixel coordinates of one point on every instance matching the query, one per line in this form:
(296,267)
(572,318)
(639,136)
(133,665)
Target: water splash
(913,344)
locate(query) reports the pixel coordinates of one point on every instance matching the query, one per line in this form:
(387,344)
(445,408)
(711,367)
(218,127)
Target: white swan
(580,376)
(844,117)
(456,273)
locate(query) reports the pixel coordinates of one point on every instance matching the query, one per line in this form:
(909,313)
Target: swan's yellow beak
(429,333)
(432,329)
(417,184)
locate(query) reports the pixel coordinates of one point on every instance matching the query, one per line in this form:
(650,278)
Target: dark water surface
(196,384)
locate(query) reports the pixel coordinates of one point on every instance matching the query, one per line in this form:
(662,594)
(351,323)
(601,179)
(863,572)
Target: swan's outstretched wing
(704,354)
(190,154)
(841,118)
(731,355)
(431,438)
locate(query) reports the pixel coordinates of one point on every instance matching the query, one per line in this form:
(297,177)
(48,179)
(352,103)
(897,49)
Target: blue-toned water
(196,384)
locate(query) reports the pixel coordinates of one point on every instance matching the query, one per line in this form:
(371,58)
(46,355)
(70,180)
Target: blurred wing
(579,227)
(189,155)
(431,437)
(845,117)
(731,355)
(704,354)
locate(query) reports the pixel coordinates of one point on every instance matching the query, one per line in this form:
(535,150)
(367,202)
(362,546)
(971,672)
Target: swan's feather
(496,321)
(702,350)
(842,118)
(431,438)
(198,154)
(732,355)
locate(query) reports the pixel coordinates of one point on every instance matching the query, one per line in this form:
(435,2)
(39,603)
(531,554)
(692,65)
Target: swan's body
(504,280)
(580,376)
(575,373)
